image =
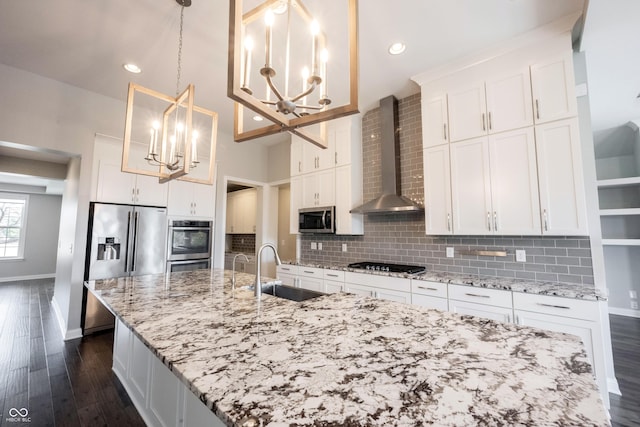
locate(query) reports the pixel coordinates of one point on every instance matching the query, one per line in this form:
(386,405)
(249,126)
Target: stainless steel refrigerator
(123,240)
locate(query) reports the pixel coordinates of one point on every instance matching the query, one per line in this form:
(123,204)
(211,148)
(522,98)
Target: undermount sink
(287,292)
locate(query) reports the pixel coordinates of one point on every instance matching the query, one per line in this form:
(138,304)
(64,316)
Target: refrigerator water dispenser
(108,249)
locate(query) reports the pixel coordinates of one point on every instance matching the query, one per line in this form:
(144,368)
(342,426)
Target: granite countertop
(566,290)
(343,359)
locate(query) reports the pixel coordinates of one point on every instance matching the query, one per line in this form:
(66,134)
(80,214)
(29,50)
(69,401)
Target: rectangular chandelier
(169,138)
(282,58)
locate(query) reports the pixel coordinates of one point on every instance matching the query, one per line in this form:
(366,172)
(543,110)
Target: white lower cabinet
(429,294)
(331,287)
(383,287)
(287,274)
(311,278)
(159,396)
(492,304)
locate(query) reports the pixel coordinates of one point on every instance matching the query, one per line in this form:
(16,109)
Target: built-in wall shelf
(621,242)
(619,182)
(619,212)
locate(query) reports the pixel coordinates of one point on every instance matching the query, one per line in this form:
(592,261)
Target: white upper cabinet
(241,212)
(495,186)
(514,183)
(562,196)
(318,189)
(509,102)
(434,121)
(553,88)
(437,191)
(471,187)
(189,199)
(467,112)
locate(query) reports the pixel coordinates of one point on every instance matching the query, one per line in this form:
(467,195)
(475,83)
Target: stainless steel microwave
(317,220)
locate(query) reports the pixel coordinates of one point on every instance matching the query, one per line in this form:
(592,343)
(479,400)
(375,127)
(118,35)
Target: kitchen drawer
(287,269)
(495,297)
(334,275)
(557,306)
(434,289)
(311,272)
(430,302)
(385,282)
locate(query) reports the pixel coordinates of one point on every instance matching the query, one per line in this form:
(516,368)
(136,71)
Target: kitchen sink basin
(287,292)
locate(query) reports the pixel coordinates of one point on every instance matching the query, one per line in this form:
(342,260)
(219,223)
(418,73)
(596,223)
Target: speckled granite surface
(565,290)
(342,359)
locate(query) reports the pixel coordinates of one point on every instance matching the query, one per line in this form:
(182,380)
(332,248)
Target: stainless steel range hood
(390,200)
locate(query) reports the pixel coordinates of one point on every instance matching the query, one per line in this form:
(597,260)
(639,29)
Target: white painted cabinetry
(429,294)
(311,278)
(437,191)
(241,212)
(435,122)
(492,304)
(288,274)
(189,199)
(115,186)
(390,288)
(553,87)
(562,195)
(318,189)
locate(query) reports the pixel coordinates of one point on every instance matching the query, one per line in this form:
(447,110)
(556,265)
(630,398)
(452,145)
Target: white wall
(41,240)
(40,112)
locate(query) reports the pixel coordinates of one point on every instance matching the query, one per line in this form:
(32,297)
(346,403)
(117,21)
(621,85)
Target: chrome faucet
(233,269)
(258,291)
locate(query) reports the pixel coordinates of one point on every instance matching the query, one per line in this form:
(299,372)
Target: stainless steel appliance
(317,220)
(392,268)
(123,240)
(189,245)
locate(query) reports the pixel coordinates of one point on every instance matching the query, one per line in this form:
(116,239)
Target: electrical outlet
(319,246)
(314,246)
(521,255)
(633,294)
(344,247)
(634,305)
(450,252)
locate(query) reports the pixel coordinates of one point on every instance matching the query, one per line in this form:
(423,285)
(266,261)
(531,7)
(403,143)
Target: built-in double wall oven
(189,245)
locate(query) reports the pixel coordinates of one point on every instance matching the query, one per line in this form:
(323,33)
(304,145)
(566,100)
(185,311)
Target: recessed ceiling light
(397,48)
(132,68)
(257,118)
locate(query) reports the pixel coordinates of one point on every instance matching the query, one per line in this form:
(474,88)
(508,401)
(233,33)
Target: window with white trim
(13,223)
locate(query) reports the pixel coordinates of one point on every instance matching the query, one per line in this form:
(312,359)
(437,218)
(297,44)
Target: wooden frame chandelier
(170,129)
(288,111)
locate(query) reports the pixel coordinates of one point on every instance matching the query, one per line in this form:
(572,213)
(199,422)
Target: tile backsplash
(245,243)
(400,238)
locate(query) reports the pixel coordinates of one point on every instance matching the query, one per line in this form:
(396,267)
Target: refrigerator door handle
(135,240)
(126,246)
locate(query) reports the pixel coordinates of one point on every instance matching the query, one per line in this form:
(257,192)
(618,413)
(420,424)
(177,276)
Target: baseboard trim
(624,312)
(30,277)
(56,309)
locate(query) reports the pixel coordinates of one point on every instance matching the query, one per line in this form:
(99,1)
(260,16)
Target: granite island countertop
(343,359)
(559,289)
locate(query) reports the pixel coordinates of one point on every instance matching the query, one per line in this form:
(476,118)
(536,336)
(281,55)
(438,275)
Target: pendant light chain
(179,71)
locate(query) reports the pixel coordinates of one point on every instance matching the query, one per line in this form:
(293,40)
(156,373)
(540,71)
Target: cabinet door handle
(335,155)
(537,110)
(517,320)
(299,166)
(553,306)
(332,275)
(133,194)
(448,222)
(489,220)
(546,220)
(495,221)
(484,127)
(309,272)
(375,294)
(427,289)
(445,131)
(489,120)
(477,295)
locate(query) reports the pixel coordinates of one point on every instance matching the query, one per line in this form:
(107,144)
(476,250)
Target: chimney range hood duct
(390,200)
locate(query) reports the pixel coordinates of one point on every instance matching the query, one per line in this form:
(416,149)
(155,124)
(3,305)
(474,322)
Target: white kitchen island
(338,359)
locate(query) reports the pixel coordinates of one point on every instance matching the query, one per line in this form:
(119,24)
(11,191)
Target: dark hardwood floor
(71,383)
(59,383)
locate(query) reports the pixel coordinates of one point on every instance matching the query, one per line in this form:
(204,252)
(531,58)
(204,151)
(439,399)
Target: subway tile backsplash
(245,243)
(400,238)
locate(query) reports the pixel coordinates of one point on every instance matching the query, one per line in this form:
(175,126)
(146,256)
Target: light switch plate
(314,246)
(450,252)
(319,246)
(633,294)
(521,255)
(344,247)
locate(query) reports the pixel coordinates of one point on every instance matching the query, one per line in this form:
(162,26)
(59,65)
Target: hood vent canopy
(390,200)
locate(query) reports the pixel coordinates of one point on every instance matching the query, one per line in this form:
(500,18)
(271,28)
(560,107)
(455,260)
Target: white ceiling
(84,43)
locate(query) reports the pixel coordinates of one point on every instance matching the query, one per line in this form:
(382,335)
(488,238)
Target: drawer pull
(427,289)
(332,275)
(553,305)
(477,295)
(309,272)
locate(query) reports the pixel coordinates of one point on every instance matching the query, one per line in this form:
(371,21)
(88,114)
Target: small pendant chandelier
(299,41)
(164,135)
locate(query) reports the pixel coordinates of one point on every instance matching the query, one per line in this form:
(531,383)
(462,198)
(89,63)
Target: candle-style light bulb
(194,148)
(268,23)
(315,30)
(324,58)
(172,151)
(248,49)
(179,137)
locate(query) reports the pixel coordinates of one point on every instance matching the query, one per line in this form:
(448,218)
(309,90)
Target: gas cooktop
(391,268)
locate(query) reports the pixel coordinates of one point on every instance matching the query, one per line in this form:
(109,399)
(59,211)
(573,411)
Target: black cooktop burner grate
(391,268)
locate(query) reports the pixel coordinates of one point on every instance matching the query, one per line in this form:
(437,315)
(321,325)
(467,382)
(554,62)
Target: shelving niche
(618,169)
